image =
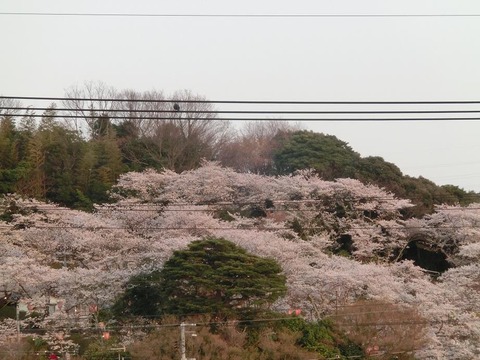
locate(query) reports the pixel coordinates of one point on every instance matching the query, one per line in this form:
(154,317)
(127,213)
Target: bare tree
(191,132)
(10,105)
(177,132)
(142,110)
(253,149)
(383,329)
(88,104)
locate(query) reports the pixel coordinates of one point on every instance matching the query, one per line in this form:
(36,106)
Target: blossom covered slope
(337,242)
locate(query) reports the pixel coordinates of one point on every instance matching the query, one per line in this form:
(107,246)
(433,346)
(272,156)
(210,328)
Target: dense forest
(71,153)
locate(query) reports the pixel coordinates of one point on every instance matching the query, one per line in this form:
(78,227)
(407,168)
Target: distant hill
(332,158)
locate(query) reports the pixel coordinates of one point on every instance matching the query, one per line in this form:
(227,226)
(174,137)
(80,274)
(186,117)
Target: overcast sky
(242,58)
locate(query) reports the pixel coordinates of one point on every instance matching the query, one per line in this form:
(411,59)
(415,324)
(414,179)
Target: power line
(255,118)
(264,102)
(217,209)
(243,15)
(213,208)
(78,112)
(177,207)
(234,323)
(336,196)
(237,322)
(240,227)
(163,111)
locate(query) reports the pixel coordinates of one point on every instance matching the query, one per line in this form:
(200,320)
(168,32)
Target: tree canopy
(212,275)
(329,156)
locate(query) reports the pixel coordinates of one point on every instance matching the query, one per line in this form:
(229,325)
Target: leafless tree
(88,104)
(11,106)
(142,111)
(383,329)
(192,131)
(178,132)
(252,150)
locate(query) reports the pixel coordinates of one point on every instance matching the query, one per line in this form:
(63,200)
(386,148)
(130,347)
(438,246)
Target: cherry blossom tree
(337,242)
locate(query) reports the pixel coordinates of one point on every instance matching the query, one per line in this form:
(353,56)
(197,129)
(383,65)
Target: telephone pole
(182,341)
(17,318)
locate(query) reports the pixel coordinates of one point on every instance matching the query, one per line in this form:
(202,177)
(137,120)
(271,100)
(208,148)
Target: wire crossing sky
(171,113)
(226,15)
(344,52)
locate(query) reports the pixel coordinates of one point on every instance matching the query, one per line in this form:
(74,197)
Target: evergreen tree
(211,276)
(102,164)
(330,157)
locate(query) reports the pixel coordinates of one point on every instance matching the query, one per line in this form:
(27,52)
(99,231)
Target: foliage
(322,338)
(104,350)
(50,161)
(275,338)
(330,157)
(227,342)
(142,297)
(25,349)
(45,159)
(454,192)
(212,276)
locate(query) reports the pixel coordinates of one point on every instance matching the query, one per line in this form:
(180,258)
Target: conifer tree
(212,276)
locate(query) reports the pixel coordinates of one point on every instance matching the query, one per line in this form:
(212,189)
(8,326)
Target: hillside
(332,158)
(338,242)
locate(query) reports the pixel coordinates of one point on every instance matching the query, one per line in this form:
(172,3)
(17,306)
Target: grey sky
(317,59)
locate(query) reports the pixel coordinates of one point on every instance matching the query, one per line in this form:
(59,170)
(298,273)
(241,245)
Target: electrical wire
(264,102)
(242,15)
(187,111)
(282,206)
(177,118)
(333,197)
(79,112)
(240,227)
(228,323)
(214,208)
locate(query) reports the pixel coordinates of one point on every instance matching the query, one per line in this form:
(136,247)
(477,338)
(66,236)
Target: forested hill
(332,158)
(73,160)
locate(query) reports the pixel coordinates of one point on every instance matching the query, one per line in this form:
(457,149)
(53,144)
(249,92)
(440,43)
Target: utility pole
(182,341)
(17,317)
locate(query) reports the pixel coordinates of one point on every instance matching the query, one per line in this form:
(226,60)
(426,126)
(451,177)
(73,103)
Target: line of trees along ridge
(75,162)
